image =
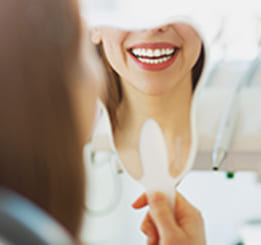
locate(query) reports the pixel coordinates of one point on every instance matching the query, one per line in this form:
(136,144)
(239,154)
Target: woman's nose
(160,29)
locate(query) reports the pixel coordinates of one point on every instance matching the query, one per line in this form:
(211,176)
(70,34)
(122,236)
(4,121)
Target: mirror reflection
(138,88)
(153,73)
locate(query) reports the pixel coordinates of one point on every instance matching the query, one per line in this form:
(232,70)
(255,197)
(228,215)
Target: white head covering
(204,15)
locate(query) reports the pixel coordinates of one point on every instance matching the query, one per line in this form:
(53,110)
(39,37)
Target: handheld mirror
(153,73)
(153,78)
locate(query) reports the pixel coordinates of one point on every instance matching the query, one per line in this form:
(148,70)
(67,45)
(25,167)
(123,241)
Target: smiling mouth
(154,57)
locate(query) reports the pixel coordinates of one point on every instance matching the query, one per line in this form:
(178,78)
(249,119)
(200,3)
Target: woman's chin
(154,89)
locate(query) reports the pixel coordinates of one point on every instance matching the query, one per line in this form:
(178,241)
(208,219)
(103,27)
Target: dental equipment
(225,132)
(228,123)
(99,159)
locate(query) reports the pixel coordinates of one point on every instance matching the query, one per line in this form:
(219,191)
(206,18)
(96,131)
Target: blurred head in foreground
(47,104)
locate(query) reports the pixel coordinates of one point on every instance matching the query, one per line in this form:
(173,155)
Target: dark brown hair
(113,97)
(40,150)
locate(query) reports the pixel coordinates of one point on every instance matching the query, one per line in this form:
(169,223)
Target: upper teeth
(152,52)
(154,61)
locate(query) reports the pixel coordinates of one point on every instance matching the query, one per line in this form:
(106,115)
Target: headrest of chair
(23,223)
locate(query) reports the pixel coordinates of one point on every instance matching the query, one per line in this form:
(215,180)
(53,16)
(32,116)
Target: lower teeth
(154,61)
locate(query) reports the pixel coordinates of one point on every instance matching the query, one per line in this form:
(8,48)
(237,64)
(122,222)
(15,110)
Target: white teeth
(157,52)
(169,51)
(153,52)
(153,55)
(136,51)
(163,51)
(143,52)
(150,52)
(154,61)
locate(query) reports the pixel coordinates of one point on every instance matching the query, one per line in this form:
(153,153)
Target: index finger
(141,202)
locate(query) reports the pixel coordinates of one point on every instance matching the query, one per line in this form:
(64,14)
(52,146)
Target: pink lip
(159,66)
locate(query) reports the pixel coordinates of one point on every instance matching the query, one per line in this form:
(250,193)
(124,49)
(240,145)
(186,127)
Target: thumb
(187,216)
(162,215)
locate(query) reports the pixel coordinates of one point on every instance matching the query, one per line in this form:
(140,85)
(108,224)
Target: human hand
(163,227)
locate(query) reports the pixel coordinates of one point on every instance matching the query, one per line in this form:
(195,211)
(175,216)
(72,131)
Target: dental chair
(23,223)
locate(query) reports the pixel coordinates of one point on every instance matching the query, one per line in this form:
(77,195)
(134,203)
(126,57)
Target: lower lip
(155,67)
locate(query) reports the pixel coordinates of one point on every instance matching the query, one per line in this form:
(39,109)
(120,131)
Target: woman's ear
(96,36)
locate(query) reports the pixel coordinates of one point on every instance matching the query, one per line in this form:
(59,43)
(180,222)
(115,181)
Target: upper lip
(156,45)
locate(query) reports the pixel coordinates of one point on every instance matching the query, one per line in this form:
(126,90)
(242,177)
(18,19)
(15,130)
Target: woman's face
(152,61)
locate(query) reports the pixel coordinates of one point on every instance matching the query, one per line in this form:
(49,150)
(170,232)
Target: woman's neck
(171,110)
